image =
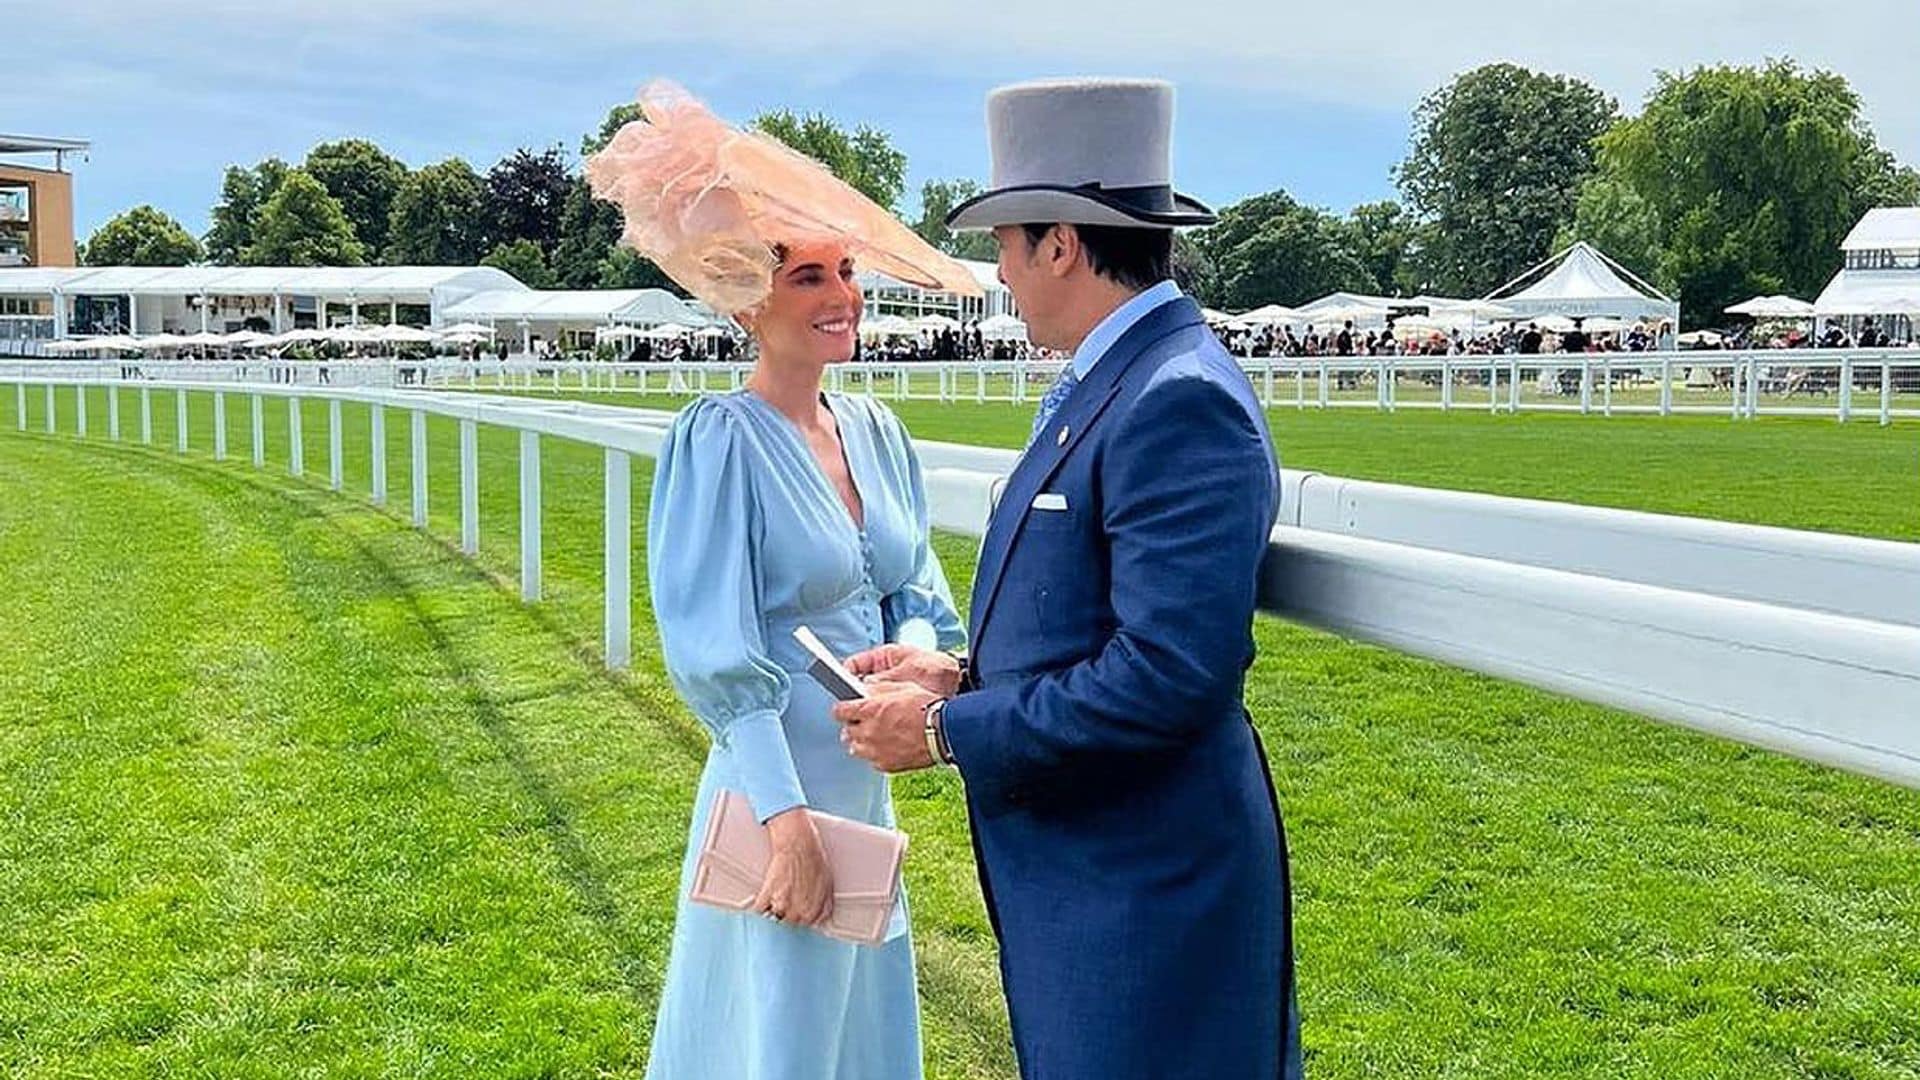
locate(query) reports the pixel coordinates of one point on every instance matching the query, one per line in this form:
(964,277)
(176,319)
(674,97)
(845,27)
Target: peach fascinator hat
(707,202)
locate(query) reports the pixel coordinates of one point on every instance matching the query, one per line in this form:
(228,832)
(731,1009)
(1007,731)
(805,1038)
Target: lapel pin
(1062,440)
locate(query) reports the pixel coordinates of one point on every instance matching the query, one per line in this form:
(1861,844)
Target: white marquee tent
(1882,275)
(1582,281)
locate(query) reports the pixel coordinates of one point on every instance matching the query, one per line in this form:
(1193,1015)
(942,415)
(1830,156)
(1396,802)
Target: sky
(1316,98)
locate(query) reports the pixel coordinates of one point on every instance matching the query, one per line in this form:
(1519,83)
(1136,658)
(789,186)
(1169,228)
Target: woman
(776,507)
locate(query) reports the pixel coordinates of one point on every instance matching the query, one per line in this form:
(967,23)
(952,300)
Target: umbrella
(1700,337)
(887,326)
(607,333)
(1345,313)
(1215,316)
(405,335)
(715,331)
(936,322)
(1773,307)
(1602,324)
(1003,328)
(1269,315)
(159,341)
(247,339)
(668,331)
(1478,309)
(468,328)
(464,337)
(204,337)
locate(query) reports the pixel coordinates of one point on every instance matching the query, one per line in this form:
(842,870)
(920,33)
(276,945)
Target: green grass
(292,789)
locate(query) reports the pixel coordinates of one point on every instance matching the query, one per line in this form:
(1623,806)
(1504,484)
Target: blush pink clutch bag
(865,861)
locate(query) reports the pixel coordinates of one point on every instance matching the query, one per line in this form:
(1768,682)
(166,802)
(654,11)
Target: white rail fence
(1882,384)
(1806,643)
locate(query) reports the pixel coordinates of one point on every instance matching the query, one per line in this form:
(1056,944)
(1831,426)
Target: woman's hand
(936,672)
(799,885)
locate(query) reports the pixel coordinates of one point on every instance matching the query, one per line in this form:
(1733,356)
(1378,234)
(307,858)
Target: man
(1126,831)
(1531,341)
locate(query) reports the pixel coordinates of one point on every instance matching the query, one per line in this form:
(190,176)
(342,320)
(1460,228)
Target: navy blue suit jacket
(1129,843)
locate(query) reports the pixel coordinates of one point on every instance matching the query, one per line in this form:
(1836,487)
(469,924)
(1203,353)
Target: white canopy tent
(552,314)
(1582,281)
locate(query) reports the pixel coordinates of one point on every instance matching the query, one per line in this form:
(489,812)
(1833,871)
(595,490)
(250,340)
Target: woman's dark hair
(1136,258)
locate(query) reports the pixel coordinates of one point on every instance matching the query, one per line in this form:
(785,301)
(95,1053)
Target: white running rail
(1806,643)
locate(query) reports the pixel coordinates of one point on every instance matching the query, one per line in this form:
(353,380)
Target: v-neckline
(859,525)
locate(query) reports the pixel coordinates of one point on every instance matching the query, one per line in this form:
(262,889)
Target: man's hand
(888,727)
(937,672)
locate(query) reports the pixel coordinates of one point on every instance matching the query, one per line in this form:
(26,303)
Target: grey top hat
(1081,152)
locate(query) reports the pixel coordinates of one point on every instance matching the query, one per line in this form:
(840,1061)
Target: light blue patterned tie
(1050,401)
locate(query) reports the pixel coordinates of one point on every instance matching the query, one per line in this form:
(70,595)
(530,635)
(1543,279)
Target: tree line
(1731,181)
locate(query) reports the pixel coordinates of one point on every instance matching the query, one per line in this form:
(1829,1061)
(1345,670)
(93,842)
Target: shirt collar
(1117,323)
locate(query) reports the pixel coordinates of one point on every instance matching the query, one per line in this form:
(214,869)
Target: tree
(439,217)
(588,230)
(526,195)
(522,259)
(365,179)
(1611,215)
(625,268)
(142,236)
(1384,237)
(937,200)
(617,117)
(1752,177)
(866,159)
(1498,157)
(1270,249)
(243,192)
(302,225)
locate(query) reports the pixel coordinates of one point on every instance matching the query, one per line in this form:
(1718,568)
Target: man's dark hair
(1135,258)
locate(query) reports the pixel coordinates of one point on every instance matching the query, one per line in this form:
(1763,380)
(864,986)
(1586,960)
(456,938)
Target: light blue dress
(747,539)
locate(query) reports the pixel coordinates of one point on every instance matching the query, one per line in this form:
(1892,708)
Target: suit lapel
(1037,466)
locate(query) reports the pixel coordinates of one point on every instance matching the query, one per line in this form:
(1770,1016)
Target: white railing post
(180,420)
(113,411)
(377,453)
(1754,372)
(335,477)
(20,403)
(469,487)
(419,468)
(529,516)
(51,425)
(1886,394)
(1666,386)
(296,439)
(1513,387)
(619,548)
(1266,376)
(1446,385)
(1606,387)
(1586,386)
(1493,386)
(1323,384)
(219,425)
(1846,389)
(80,409)
(1738,390)
(259,418)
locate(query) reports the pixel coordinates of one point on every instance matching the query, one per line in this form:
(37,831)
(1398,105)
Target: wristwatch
(937,747)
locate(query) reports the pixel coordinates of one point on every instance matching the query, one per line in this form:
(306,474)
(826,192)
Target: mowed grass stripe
(1492,881)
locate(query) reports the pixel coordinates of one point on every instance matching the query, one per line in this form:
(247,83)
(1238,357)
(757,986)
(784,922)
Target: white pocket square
(1049,500)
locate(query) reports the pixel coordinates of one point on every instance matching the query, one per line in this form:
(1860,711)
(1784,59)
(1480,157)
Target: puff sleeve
(704,574)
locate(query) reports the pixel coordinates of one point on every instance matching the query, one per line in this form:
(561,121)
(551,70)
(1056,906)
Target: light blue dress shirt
(747,539)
